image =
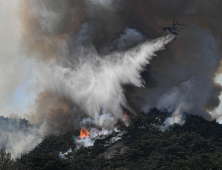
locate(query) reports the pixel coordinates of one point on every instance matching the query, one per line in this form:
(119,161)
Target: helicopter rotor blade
(181,24)
(176,22)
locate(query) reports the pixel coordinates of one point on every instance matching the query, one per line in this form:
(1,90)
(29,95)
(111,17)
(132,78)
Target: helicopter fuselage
(172,30)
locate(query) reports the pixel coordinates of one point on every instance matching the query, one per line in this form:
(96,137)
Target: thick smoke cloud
(88,56)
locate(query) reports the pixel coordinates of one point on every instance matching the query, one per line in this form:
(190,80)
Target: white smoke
(16,137)
(62,155)
(177,102)
(20,142)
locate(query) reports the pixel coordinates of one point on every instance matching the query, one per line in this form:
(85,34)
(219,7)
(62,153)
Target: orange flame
(84,133)
(134,115)
(125,116)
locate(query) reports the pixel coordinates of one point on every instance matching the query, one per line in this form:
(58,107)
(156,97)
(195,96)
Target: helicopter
(172,29)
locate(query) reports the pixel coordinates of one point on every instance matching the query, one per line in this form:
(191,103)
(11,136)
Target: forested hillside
(195,145)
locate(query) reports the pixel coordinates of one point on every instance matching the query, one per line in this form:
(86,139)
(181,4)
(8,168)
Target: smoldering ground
(84,52)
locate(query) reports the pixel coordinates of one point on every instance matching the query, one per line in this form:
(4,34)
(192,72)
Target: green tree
(6,163)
